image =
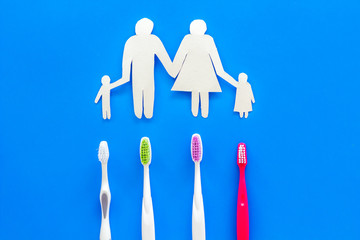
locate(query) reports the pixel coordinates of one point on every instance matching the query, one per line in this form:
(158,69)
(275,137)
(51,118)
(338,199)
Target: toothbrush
(242,204)
(198,217)
(105,196)
(147,217)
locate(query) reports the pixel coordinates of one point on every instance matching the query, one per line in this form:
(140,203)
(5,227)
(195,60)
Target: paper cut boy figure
(139,54)
(244,96)
(198,64)
(104,93)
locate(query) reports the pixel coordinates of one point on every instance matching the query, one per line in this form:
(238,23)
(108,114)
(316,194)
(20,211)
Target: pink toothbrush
(198,216)
(242,225)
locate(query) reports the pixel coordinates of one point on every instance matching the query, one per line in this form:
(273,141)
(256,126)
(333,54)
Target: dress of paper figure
(195,62)
(139,56)
(244,96)
(104,93)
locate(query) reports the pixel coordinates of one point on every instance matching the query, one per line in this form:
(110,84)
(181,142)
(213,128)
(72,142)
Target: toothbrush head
(241,155)
(196,148)
(145,151)
(103,154)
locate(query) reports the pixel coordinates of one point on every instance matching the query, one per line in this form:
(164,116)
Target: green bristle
(145,151)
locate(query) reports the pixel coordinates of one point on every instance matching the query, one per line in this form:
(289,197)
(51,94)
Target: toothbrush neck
(104,174)
(197,167)
(242,173)
(197,183)
(146,188)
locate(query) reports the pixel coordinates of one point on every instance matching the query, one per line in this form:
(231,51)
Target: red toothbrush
(242,223)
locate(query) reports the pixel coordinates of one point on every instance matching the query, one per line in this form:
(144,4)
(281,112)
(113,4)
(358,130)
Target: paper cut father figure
(244,96)
(139,54)
(195,62)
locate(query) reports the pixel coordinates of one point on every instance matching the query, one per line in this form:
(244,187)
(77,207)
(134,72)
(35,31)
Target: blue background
(302,58)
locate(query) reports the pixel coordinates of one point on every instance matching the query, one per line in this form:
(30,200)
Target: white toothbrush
(198,216)
(147,217)
(105,196)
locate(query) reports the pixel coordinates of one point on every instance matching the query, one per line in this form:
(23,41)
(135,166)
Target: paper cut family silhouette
(196,66)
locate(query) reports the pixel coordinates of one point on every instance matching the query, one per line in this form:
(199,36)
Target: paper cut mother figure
(195,62)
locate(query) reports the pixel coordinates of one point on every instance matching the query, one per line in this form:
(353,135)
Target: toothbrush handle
(242,209)
(198,216)
(198,220)
(147,220)
(147,215)
(105,198)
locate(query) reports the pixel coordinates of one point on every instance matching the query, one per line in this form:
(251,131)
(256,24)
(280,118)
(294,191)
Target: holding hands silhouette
(196,66)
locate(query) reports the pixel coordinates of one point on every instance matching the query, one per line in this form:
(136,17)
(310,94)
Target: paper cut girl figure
(195,62)
(104,93)
(139,54)
(244,96)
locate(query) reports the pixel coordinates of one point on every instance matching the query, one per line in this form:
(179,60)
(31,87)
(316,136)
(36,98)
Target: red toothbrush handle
(242,224)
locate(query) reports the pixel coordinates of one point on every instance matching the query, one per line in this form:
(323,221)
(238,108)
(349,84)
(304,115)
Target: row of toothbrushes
(198,217)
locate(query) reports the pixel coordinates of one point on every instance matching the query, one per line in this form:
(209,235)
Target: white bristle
(103,154)
(241,157)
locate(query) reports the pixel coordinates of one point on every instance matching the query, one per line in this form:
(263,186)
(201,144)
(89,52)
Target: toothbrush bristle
(145,151)
(241,158)
(196,148)
(103,153)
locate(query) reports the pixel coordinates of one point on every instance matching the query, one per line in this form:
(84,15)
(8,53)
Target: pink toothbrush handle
(242,225)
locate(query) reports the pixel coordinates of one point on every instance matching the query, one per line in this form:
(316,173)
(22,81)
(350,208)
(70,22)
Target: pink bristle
(242,158)
(196,148)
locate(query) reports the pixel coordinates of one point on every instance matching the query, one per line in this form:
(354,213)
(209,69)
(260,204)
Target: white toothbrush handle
(105,199)
(198,216)
(147,217)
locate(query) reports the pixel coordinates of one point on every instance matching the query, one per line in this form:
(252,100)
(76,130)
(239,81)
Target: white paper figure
(139,56)
(244,96)
(195,62)
(104,93)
